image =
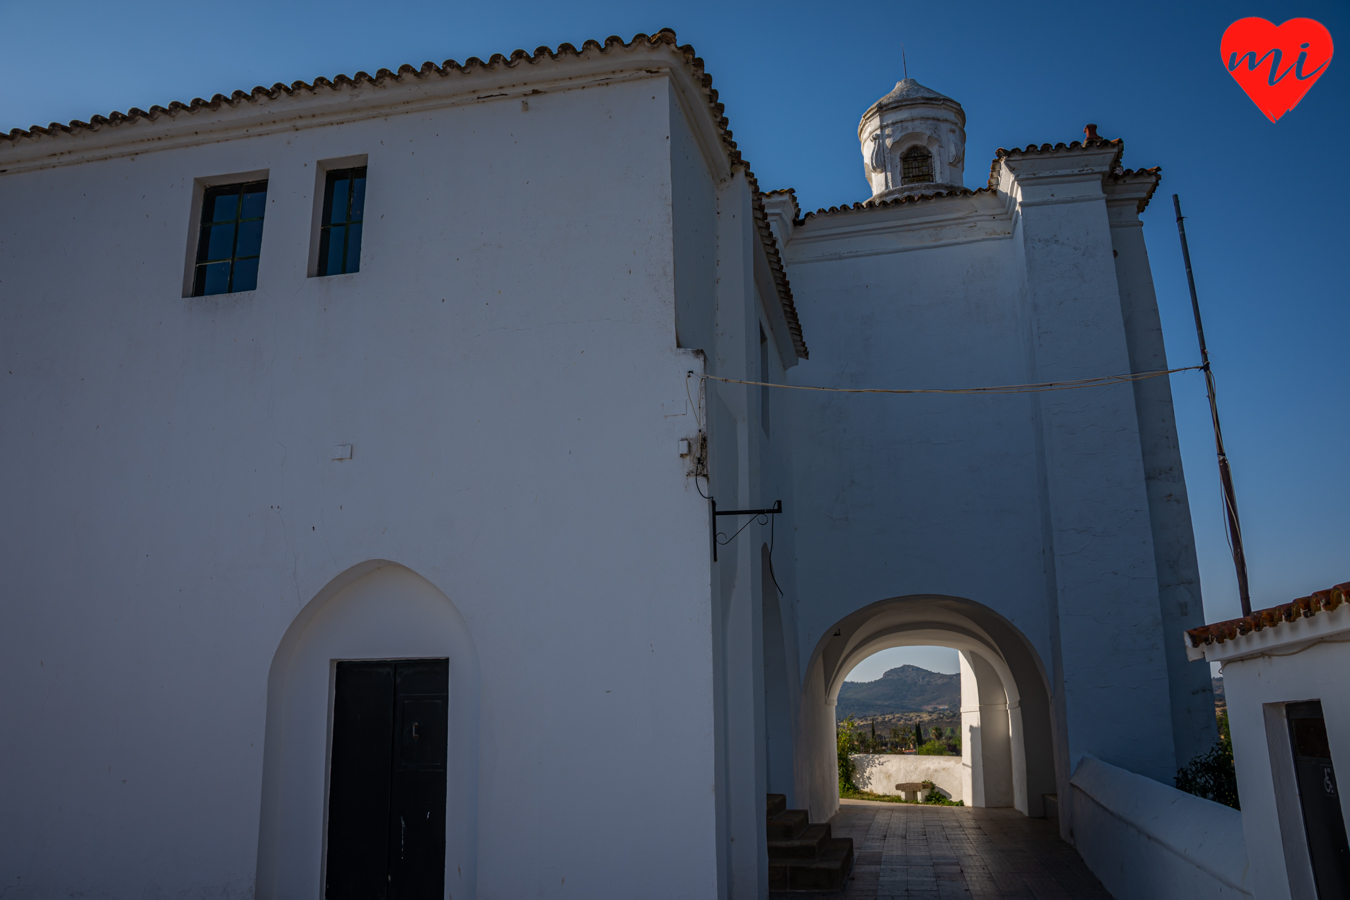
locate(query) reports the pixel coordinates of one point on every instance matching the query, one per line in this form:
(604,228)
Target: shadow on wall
(882,773)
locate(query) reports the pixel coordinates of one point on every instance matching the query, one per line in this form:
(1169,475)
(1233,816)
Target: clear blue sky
(1268,216)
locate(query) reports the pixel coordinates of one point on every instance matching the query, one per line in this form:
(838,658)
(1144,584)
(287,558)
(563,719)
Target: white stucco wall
(505,367)
(1192,696)
(1149,841)
(881,772)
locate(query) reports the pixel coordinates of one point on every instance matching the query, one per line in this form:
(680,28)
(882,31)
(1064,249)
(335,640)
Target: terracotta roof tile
(791,194)
(1032,149)
(1261,619)
(992,185)
(1135,174)
(895,201)
(386,77)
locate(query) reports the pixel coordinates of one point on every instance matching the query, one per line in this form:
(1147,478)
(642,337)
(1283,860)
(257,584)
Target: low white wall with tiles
(1148,841)
(881,772)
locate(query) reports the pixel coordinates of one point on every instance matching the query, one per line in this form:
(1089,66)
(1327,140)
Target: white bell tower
(913,142)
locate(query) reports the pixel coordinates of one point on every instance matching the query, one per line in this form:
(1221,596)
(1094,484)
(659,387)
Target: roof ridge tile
(1261,619)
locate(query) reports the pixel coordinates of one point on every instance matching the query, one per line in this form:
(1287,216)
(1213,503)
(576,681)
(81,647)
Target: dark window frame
(211,258)
(345,223)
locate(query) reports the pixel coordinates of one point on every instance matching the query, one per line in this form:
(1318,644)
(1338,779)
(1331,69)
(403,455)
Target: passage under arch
(1008,682)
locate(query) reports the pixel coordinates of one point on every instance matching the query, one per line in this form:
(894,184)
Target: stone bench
(912,790)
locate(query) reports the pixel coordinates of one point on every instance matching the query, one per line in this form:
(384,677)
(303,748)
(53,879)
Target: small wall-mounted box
(685,447)
(342,451)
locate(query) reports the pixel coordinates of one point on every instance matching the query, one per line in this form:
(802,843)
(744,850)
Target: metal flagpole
(1225,472)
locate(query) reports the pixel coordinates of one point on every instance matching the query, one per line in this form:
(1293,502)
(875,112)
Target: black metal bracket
(777,509)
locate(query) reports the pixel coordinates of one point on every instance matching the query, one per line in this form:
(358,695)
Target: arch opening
(901,709)
(1007,746)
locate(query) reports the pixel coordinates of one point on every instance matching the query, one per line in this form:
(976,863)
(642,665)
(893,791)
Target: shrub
(935,748)
(1211,775)
(844,738)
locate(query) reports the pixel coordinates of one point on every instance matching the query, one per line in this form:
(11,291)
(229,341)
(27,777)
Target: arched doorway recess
(1007,740)
(378,610)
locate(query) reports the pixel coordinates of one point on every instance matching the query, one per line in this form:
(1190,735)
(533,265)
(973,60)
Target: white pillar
(972,776)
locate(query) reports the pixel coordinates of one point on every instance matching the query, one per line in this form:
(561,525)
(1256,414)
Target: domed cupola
(913,142)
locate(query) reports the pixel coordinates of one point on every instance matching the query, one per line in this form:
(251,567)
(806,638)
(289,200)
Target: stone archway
(375,610)
(1008,744)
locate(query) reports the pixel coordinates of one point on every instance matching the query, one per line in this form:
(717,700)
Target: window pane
(245,275)
(916,166)
(354,247)
(250,238)
(218,242)
(338,214)
(335,236)
(213,279)
(255,201)
(222,205)
(323,252)
(358,195)
(223,237)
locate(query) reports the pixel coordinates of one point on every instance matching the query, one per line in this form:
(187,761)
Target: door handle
(415,735)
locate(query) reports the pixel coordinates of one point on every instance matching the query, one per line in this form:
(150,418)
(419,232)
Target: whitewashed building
(350,427)
(1284,670)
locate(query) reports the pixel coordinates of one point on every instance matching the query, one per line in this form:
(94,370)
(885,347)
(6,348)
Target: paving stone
(906,852)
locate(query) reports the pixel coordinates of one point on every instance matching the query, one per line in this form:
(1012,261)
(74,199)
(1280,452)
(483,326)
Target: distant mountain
(906,689)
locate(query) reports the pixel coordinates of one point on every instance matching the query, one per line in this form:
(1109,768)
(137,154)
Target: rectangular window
(344,202)
(231,238)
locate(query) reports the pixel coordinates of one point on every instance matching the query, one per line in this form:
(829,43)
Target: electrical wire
(698,419)
(699,489)
(1040,387)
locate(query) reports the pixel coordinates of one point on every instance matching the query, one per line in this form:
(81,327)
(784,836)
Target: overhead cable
(1040,387)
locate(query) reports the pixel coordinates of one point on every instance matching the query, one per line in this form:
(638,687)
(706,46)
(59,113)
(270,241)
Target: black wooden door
(1320,799)
(386,795)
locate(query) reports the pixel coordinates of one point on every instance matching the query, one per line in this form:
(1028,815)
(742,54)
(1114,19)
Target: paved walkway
(907,852)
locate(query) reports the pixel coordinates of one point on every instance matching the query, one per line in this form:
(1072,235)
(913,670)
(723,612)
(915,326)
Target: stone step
(776,803)
(807,845)
(787,825)
(827,873)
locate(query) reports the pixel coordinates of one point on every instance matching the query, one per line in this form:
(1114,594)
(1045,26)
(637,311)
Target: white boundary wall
(881,772)
(1148,841)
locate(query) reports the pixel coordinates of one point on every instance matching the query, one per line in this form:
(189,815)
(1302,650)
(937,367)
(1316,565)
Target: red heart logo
(1276,65)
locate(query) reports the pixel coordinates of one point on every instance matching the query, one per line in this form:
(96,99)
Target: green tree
(918,735)
(844,739)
